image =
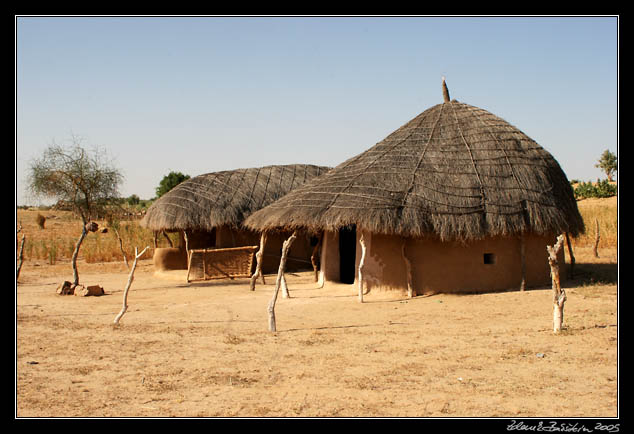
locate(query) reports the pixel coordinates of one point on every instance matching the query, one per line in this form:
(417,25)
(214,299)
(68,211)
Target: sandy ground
(204,350)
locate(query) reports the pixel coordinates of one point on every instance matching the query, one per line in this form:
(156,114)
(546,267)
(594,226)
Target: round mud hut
(455,200)
(208,211)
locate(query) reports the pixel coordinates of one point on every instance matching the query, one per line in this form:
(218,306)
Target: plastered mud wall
(492,264)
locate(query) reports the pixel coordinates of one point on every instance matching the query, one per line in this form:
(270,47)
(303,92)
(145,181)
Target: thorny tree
(85,181)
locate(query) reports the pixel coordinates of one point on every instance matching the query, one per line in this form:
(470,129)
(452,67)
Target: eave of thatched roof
(225,198)
(455,171)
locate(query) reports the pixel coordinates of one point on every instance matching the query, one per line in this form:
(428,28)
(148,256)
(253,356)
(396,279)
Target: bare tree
(86,181)
(137,255)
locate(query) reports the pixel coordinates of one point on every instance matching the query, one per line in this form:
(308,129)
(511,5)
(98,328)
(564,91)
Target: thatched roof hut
(208,211)
(455,179)
(225,198)
(455,171)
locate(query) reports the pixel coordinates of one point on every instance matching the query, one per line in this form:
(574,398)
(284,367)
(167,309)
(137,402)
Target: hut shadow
(593,274)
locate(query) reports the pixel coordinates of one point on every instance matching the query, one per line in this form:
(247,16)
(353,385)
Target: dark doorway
(347,253)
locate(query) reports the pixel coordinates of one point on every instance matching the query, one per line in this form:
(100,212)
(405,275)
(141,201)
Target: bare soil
(204,350)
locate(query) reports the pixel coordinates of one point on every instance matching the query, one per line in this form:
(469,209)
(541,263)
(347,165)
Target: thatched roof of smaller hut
(456,172)
(226,197)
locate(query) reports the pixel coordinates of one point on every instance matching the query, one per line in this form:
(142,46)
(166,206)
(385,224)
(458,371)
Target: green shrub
(601,189)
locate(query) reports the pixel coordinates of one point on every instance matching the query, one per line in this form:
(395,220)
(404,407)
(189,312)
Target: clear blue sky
(203,94)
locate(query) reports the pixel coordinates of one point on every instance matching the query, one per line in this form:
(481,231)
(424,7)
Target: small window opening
(489,258)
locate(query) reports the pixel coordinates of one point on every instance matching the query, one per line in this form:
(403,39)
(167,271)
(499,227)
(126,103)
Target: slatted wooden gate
(206,264)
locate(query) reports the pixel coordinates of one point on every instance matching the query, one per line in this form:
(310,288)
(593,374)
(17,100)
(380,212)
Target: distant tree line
(602,188)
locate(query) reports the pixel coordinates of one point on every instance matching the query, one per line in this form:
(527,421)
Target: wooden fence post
(280,275)
(259,256)
(408,269)
(595,249)
(361,263)
(559,295)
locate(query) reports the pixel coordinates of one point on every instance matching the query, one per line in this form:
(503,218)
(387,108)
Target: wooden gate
(206,264)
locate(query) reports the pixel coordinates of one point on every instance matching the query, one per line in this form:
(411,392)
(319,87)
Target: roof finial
(445,91)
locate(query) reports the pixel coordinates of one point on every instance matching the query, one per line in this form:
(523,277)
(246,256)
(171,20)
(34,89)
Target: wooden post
(361,263)
(280,275)
(559,295)
(21,254)
(186,238)
(189,263)
(137,255)
(596,239)
(169,241)
(408,269)
(258,267)
(571,273)
(523,260)
(285,293)
(125,258)
(313,257)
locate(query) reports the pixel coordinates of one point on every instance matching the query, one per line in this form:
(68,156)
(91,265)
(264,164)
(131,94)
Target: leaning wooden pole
(137,255)
(21,253)
(259,257)
(559,295)
(361,263)
(278,282)
(571,272)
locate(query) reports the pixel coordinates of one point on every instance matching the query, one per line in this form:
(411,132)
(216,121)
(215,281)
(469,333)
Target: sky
(198,94)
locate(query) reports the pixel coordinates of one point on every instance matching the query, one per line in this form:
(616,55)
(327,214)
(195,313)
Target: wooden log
(408,270)
(137,255)
(559,295)
(258,267)
(597,237)
(361,264)
(280,275)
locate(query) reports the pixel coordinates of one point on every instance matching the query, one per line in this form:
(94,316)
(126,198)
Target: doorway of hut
(347,253)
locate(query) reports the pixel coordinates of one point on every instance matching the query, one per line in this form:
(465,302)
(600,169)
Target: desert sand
(203,349)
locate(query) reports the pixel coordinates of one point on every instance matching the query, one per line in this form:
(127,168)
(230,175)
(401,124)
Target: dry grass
(56,241)
(606,212)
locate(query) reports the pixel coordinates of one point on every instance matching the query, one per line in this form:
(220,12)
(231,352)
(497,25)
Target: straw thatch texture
(455,171)
(225,198)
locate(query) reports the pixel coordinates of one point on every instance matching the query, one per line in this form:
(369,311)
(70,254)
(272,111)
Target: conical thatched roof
(225,198)
(455,171)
